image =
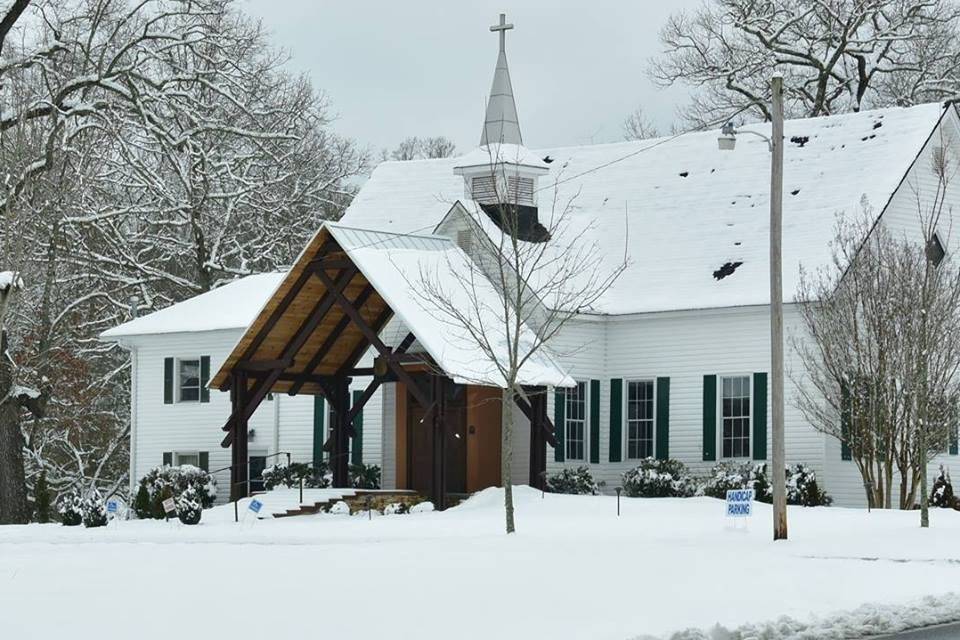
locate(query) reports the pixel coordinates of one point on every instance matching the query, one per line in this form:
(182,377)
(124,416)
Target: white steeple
(501,124)
(501,170)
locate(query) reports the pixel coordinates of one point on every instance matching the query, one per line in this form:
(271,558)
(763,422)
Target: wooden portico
(312,333)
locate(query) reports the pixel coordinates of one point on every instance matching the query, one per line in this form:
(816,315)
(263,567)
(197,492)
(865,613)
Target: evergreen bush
(364,476)
(802,488)
(654,478)
(730,475)
(577,481)
(942,493)
(41,498)
(70,508)
(171,482)
(141,503)
(189,507)
(94,510)
(314,476)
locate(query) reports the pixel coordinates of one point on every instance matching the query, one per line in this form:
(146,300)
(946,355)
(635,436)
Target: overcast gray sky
(423,67)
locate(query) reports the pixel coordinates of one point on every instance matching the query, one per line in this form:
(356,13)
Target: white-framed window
(188,380)
(641,412)
(186,457)
(575,422)
(735,419)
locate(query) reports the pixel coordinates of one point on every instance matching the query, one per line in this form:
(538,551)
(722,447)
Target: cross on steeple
(503,27)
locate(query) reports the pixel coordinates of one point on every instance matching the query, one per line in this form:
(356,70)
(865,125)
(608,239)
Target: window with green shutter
(319,433)
(663,418)
(616,419)
(710,417)
(760,416)
(595,422)
(168,381)
(357,445)
(559,421)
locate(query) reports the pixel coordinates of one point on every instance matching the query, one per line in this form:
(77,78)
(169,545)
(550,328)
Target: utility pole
(776,312)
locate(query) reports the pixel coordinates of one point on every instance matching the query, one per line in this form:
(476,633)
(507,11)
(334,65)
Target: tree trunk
(506,457)
(13,485)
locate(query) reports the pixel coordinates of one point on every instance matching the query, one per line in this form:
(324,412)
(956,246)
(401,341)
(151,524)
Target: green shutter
(710,417)
(204,378)
(759,416)
(663,418)
(319,411)
(205,460)
(168,458)
(845,453)
(559,407)
(616,419)
(357,452)
(594,422)
(168,381)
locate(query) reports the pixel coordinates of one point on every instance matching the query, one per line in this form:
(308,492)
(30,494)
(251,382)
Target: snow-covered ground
(574,570)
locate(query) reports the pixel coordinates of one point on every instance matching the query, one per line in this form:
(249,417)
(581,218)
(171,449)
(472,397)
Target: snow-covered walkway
(574,570)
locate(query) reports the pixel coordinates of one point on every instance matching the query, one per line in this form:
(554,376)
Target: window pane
(575,421)
(188,458)
(189,371)
(735,416)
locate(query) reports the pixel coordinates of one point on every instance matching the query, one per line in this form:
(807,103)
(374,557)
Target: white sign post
(739,503)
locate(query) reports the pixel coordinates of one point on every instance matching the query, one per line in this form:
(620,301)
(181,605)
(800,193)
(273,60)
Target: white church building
(341,359)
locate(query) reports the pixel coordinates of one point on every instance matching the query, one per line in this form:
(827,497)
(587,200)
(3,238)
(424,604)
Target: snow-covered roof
(413,273)
(232,306)
(682,208)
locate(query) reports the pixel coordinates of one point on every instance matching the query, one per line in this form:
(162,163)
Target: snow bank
(576,570)
(869,620)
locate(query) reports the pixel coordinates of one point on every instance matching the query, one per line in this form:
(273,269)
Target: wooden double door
(421,436)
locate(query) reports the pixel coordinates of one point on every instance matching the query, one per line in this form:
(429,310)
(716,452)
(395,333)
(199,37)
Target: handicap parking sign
(255,505)
(112,506)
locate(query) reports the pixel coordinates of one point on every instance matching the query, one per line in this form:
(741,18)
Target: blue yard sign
(112,506)
(740,503)
(255,505)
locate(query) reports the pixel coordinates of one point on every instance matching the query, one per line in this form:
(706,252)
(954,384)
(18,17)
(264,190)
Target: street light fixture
(727,141)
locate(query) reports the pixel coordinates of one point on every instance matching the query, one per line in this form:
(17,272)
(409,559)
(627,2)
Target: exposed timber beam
(422,398)
(313,319)
(331,339)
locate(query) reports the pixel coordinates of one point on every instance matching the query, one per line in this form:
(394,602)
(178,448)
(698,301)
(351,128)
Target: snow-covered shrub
(364,476)
(170,482)
(282,475)
(141,503)
(573,481)
(70,508)
(396,508)
(802,488)
(654,478)
(422,507)
(942,494)
(189,507)
(340,508)
(94,510)
(730,475)
(41,499)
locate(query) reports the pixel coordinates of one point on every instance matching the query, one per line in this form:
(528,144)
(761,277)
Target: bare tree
(638,126)
(880,347)
(414,148)
(836,56)
(151,149)
(546,269)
